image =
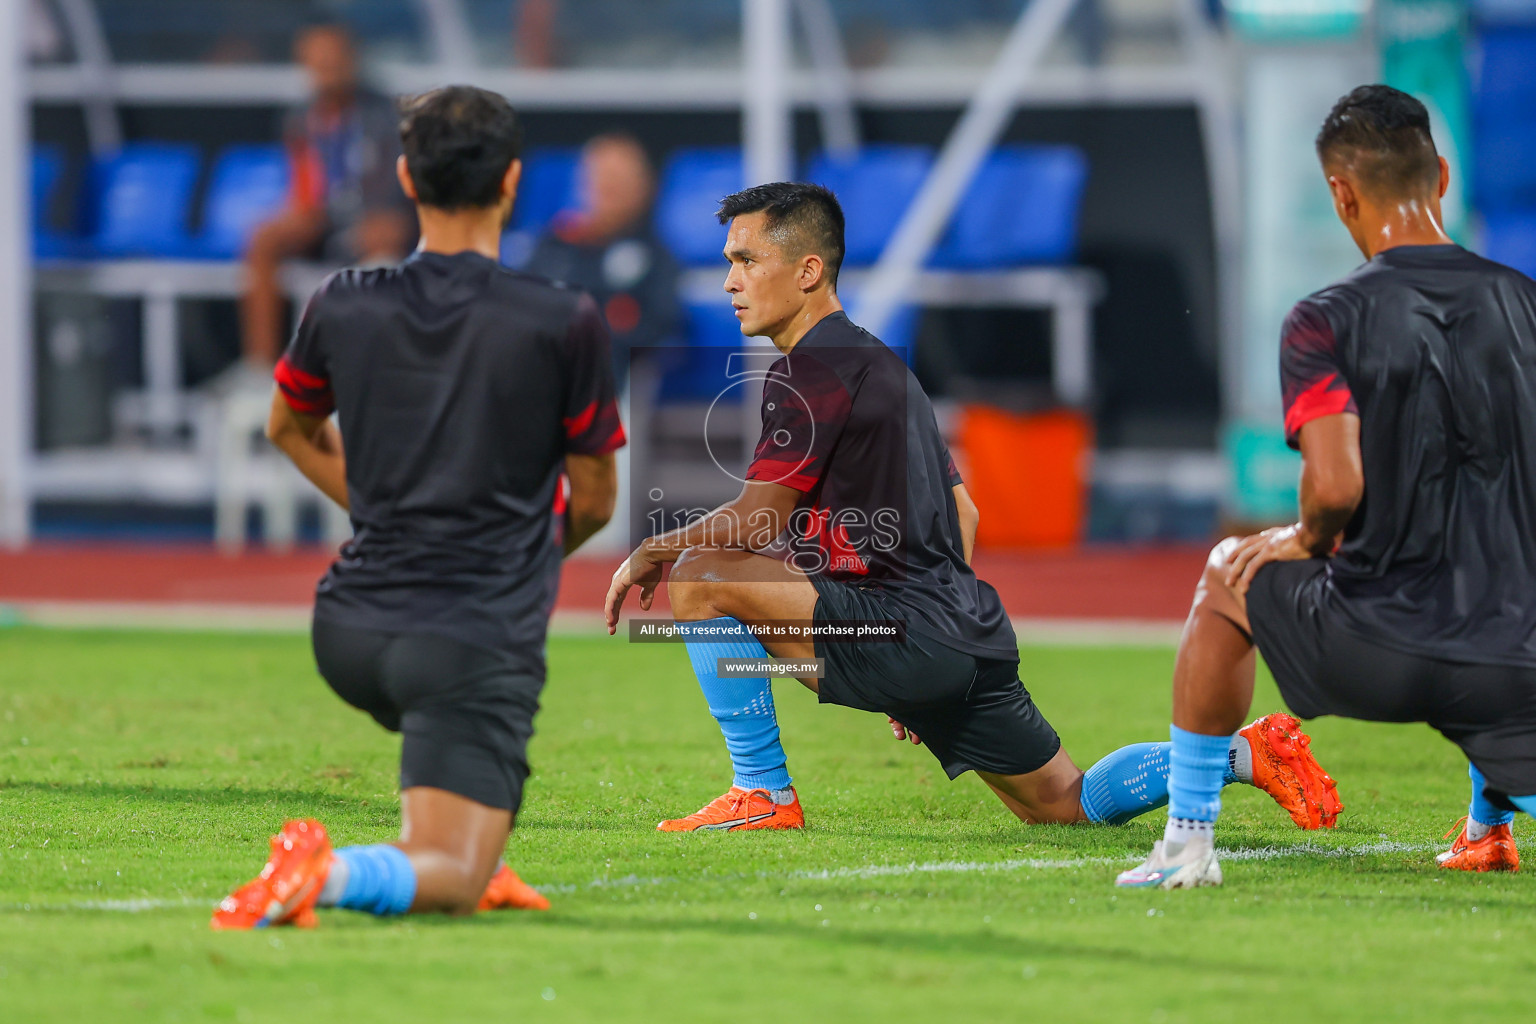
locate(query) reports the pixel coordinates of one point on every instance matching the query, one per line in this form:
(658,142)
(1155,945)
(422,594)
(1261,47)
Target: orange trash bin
(1028,474)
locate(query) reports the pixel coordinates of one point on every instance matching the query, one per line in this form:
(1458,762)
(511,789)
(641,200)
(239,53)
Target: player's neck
(1406,223)
(819,305)
(455,231)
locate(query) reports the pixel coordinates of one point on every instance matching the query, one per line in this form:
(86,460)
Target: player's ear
(510,180)
(811,271)
(1346,202)
(1445,176)
(403,173)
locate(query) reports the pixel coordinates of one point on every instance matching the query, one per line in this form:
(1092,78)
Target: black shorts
(1322,668)
(465,713)
(972,713)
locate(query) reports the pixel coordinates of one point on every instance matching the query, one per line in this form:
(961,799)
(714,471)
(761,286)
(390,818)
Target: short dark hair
(1386,133)
(802,218)
(458,141)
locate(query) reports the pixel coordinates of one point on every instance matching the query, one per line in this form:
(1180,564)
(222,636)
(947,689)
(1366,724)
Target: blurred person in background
(344,206)
(609,249)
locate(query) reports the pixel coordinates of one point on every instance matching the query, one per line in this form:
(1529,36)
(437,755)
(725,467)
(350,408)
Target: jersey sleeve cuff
(789,475)
(1328,397)
(305,393)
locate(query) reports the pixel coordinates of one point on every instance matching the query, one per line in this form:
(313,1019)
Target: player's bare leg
(1049,794)
(1212,689)
(748,587)
(726,589)
(283,237)
(755,589)
(454,844)
(1213,672)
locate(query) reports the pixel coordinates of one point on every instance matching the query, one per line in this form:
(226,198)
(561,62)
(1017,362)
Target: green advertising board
(1295,20)
(1423,48)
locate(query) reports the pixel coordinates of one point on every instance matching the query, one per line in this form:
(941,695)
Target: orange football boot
(506,891)
(1283,767)
(287,888)
(1494,852)
(738,810)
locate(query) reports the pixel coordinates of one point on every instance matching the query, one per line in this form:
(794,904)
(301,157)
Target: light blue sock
(1525,803)
(1482,811)
(1196,766)
(379,880)
(1131,781)
(743,707)
(1126,783)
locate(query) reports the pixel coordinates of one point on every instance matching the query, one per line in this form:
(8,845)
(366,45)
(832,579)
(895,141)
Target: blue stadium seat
(1510,238)
(692,185)
(875,189)
(1504,121)
(248,185)
(713,333)
(141,197)
(549,185)
(1021,208)
(47,172)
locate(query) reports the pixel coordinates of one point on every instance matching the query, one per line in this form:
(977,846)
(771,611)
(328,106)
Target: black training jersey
(460,387)
(847,425)
(1435,349)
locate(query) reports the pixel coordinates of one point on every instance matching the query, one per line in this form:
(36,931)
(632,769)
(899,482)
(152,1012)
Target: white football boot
(1193,864)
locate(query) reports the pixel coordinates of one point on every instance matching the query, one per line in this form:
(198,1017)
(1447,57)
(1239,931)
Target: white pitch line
(120,906)
(946,867)
(1066,863)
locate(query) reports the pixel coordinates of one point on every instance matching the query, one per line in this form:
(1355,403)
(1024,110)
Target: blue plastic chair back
(141,197)
(1504,121)
(875,188)
(548,186)
(47,172)
(249,184)
(47,169)
(1021,208)
(1510,239)
(692,185)
(699,374)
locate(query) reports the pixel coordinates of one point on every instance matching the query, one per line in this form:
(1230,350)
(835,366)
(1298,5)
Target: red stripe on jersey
(304,392)
(615,441)
(789,474)
(576,425)
(1321,399)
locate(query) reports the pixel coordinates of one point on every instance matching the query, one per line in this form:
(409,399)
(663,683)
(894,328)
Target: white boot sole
(1206,871)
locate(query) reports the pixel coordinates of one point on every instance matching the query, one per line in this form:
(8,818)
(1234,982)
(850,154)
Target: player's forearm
(327,470)
(722,528)
(580,529)
(1321,526)
(1326,509)
(594,481)
(587,514)
(1332,479)
(1327,505)
(749,523)
(970,518)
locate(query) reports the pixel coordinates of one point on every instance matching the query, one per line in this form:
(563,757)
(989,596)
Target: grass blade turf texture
(140,774)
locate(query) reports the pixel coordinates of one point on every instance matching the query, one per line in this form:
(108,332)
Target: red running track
(1114,583)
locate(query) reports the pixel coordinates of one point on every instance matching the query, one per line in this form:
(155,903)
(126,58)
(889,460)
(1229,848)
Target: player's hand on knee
(1277,544)
(638,570)
(901,732)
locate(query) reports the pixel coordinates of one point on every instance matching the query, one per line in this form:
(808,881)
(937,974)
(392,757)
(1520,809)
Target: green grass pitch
(140,774)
